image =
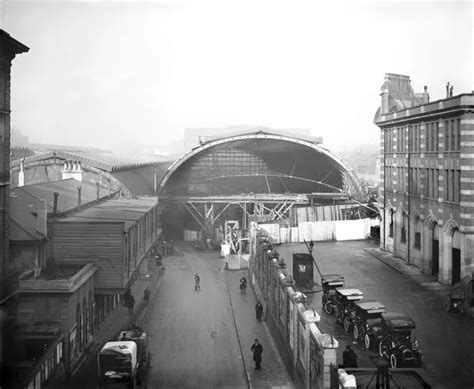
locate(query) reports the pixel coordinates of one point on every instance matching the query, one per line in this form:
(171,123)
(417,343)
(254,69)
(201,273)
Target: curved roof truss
(261,163)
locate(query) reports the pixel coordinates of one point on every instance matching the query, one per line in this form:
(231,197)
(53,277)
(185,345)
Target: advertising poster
(292,325)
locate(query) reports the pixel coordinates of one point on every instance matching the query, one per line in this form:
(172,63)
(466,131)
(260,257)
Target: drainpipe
(384,189)
(409,194)
(53,221)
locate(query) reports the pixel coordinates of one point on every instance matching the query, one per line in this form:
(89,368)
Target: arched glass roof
(259,162)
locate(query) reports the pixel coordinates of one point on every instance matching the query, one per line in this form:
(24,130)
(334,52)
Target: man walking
(257,353)
(259,311)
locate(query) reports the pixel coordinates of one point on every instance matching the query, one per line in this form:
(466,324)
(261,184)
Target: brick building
(9,48)
(427,176)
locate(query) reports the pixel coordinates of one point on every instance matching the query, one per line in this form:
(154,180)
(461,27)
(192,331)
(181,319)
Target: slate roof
(125,209)
(68,194)
(23,223)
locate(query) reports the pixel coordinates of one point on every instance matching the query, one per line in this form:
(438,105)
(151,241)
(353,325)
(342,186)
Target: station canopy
(259,162)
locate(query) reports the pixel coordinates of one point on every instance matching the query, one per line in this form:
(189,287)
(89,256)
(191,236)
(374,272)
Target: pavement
(412,271)
(85,374)
(273,373)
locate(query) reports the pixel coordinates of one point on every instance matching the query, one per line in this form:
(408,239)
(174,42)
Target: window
(457,186)
(453,143)
(457,132)
(447,185)
(390,227)
(447,138)
(417,243)
(435,183)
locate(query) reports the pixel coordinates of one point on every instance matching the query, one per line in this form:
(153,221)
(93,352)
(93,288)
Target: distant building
(196,136)
(427,177)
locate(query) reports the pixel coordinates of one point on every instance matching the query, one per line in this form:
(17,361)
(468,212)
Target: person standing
(259,311)
(129,302)
(257,353)
(349,357)
(197,282)
(146,295)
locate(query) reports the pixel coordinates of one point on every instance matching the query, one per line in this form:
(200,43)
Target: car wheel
(347,325)
(381,349)
(447,304)
(356,333)
(328,308)
(393,361)
(367,341)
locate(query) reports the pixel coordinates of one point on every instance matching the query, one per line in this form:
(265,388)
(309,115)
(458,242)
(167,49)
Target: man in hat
(257,353)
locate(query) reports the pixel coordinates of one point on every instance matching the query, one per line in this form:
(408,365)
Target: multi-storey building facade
(9,48)
(427,176)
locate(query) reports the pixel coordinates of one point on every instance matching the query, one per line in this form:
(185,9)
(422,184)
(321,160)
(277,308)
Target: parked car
(345,306)
(367,321)
(461,296)
(330,282)
(397,341)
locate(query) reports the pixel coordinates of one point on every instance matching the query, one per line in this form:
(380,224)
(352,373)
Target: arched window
(390,227)
(403,229)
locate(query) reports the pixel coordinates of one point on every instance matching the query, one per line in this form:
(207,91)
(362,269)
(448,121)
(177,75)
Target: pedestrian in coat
(259,310)
(257,353)
(146,295)
(349,357)
(129,302)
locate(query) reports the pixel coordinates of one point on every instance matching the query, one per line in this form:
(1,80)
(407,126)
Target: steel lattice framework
(270,171)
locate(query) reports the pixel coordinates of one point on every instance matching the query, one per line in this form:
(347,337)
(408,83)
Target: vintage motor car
(118,364)
(345,306)
(330,282)
(141,338)
(461,296)
(397,341)
(367,321)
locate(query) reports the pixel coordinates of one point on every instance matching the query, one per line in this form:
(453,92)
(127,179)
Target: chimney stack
(447,90)
(426,95)
(42,218)
(21,174)
(72,169)
(55,207)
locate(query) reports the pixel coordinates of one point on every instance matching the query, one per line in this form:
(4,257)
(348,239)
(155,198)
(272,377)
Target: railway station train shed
(258,174)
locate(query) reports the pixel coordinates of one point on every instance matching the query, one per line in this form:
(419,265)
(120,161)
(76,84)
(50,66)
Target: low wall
(309,354)
(236,261)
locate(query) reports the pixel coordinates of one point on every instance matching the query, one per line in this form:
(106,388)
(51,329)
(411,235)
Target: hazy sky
(112,74)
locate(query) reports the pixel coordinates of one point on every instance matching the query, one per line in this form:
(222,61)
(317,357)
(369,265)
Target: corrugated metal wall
(98,243)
